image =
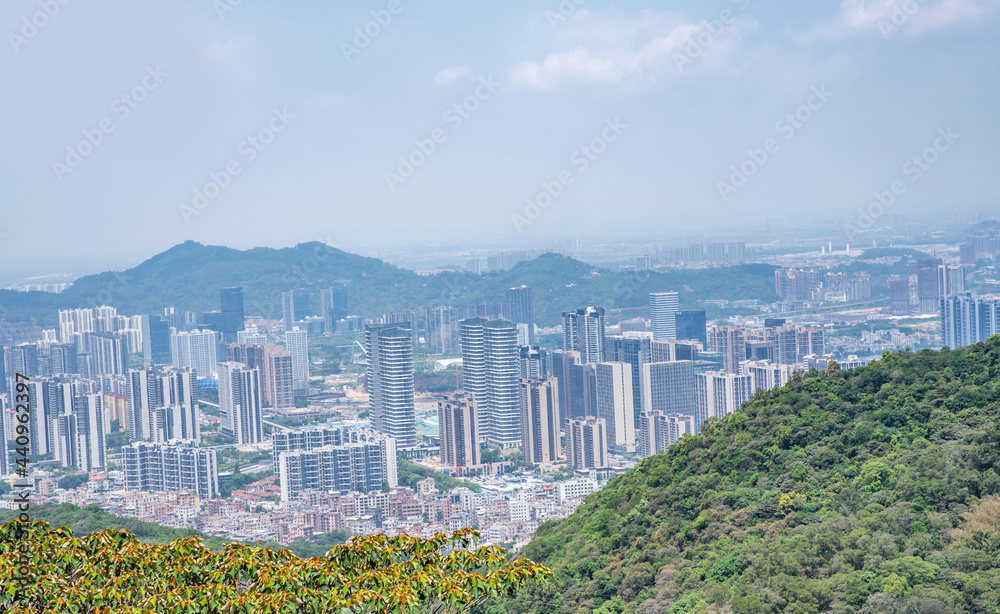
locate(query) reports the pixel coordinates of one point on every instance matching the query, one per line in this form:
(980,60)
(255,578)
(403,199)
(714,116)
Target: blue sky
(696,91)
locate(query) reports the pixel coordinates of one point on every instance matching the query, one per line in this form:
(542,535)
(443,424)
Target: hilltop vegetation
(189,276)
(866,491)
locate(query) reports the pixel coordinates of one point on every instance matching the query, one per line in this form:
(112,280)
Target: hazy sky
(632,113)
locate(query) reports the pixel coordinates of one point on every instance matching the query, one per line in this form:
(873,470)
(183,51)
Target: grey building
(390,382)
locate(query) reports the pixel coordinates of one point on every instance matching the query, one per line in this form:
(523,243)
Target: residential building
(240,403)
(171,467)
(458,417)
(540,421)
(615,404)
(588,443)
(390,382)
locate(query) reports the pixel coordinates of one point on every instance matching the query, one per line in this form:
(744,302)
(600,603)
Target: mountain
(189,276)
(871,490)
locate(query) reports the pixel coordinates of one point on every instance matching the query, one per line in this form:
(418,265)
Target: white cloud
(888,17)
(450,75)
(611,47)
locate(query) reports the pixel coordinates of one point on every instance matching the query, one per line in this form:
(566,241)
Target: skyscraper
(233,317)
(766,375)
(615,404)
(458,417)
(720,394)
(583,392)
(540,421)
(390,382)
(491,370)
(588,443)
(197,349)
(110,353)
(441,322)
(155,341)
(295,307)
(91,442)
(24,359)
(731,342)
(583,331)
(333,306)
(297,342)
(239,403)
(692,325)
(899,295)
(659,430)
(966,319)
(277,378)
(521,309)
(663,308)
(668,387)
(562,363)
(636,349)
(143,394)
(179,401)
(534,361)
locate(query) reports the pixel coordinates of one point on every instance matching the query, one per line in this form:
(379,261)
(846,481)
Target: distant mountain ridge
(189,276)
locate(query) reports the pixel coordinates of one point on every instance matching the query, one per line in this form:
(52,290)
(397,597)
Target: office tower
(232,314)
(583,392)
(278,381)
(390,382)
(297,342)
(197,349)
(441,322)
(239,403)
(533,361)
(144,393)
(171,467)
(91,439)
(179,402)
(155,341)
(766,375)
(951,280)
(668,351)
(583,331)
(458,417)
(333,306)
(295,307)
(491,310)
(659,430)
(403,319)
(663,308)
(636,350)
(899,295)
(588,443)
(928,293)
(615,404)
(540,421)
(668,387)
(731,342)
(521,309)
(491,371)
(720,394)
(63,359)
(110,353)
(24,359)
(562,363)
(365,462)
(691,325)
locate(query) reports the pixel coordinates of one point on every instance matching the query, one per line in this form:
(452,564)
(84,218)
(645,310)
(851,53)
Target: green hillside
(866,491)
(189,276)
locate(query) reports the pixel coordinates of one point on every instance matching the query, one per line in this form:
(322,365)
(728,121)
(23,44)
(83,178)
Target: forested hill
(189,276)
(866,491)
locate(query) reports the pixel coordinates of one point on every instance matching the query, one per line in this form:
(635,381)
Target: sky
(133,126)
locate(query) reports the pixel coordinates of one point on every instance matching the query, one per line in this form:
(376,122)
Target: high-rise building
(233,317)
(143,394)
(691,325)
(24,359)
(251,336)
(951,280)
(765,375)
(91,442)
(583,331)
(731,342)
(615,404)
(636,350)
(667,351)
(668,387)
(155,341)
(63,359)
(540,421)
(658,430)
(809,341)
(899,295)
(967,319)
(171,467)
(491,371)
(110,353)
(5,465)
(365,462)
(441,322)
(588,443)
(239,403)
(521,309)
(533,361)
(333,306)
(663,308)
(720,394)
(197,349)
(390,382)
(277,378)
(179,402)
(297,342)
(562,363)
(402,319)
(77,321)
(928,293)
(295,307)
(458,417)
(583,392)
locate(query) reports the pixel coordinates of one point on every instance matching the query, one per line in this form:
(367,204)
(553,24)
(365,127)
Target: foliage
(317,545)
(870,490)
(409,473)
(72,481)
(110,571)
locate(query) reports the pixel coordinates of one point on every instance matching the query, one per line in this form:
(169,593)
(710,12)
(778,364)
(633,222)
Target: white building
(297,342)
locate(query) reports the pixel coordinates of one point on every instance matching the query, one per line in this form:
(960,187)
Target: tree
(110,571)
